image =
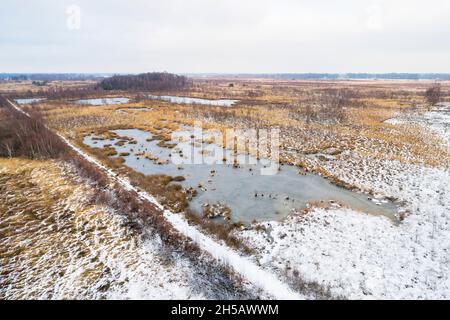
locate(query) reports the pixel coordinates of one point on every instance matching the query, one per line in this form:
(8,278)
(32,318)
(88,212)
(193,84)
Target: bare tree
(433,94)
(8,147)
(334,102)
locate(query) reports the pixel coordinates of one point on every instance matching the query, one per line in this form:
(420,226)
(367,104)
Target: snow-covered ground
(436,120)
(358,256)
(352,254)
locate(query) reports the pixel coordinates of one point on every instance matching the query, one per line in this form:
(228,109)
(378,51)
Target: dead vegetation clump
(328,106)
(124,154)
(212,211)
(110,152)
(165,144)
(223,231)
(147,214)
(169,194)
(150,156)
(89,171)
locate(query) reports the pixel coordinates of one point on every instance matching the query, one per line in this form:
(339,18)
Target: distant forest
(333,76)
(145,81)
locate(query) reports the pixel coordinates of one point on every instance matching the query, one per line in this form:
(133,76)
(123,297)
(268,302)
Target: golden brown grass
(266,104)
(40,211)
(27,86)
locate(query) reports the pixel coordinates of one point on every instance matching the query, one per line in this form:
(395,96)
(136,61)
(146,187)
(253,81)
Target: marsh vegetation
(366,142)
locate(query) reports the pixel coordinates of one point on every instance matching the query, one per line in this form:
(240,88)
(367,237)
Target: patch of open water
(29,100)
(188,100)
(103,101)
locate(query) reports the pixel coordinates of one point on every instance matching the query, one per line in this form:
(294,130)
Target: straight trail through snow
(243,266)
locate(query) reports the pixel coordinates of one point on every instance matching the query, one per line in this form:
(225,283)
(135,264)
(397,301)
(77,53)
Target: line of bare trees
(27,136)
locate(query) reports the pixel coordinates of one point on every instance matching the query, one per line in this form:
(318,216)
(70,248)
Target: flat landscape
(224,187)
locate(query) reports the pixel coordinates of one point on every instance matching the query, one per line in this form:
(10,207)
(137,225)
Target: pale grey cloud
(225,36)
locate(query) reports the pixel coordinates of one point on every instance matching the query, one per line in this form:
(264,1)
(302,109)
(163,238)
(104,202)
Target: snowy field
(358,256)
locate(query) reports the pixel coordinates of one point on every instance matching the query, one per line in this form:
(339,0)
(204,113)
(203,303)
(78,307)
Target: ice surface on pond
(188,100)
(250,195)
(29,100)
(103,101)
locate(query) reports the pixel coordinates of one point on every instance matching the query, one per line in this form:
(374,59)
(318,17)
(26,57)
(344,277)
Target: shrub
(433,94)
(124,154)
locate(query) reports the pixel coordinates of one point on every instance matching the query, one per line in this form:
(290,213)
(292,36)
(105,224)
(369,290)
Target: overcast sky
(228,36)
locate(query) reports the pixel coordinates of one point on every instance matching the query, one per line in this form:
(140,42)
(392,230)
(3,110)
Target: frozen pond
(103,101)
(250,195)
(29,100)
(187,100)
